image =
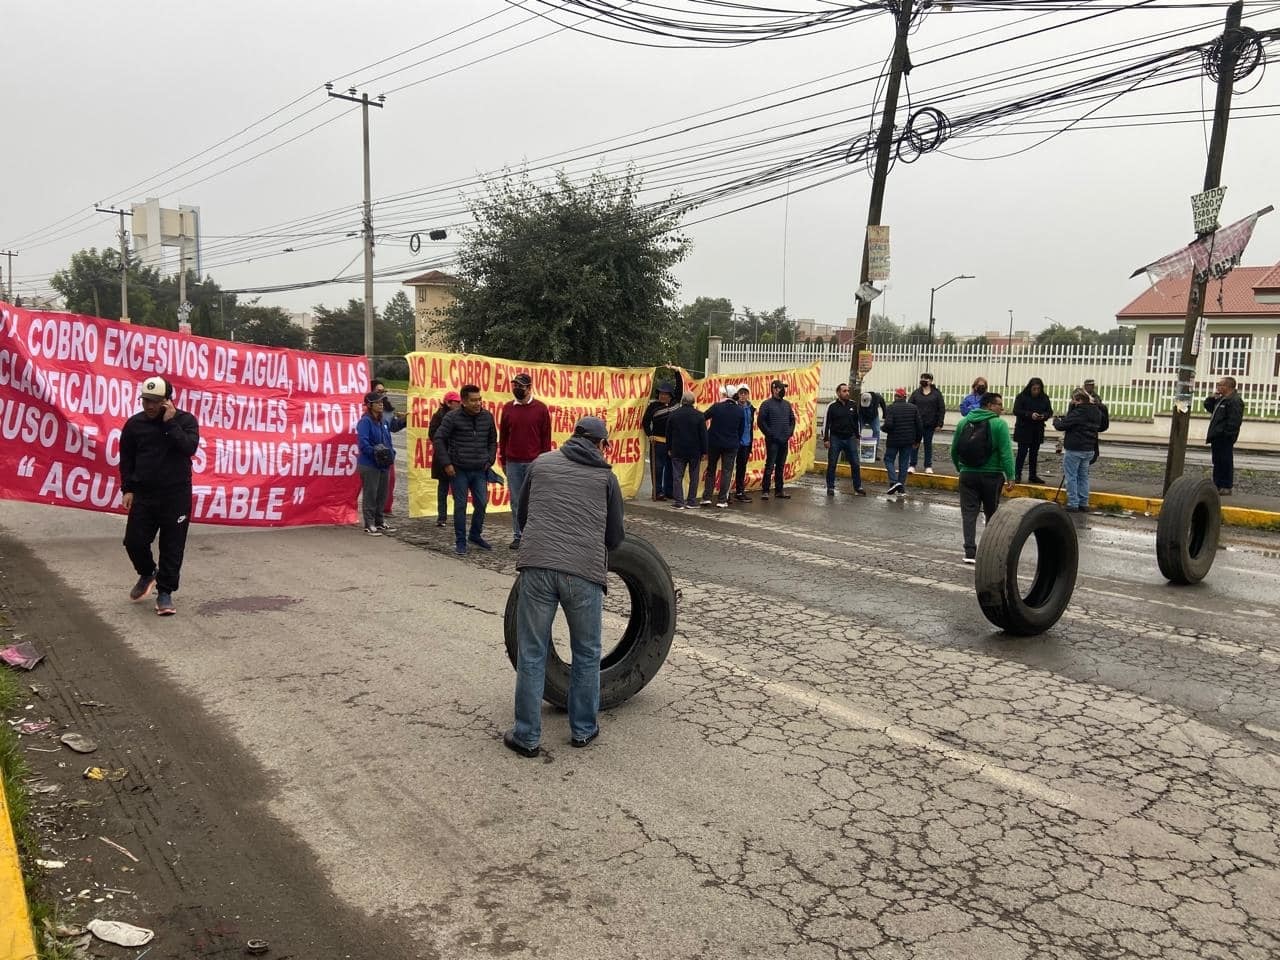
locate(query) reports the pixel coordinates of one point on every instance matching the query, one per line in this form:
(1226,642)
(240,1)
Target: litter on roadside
(51,864)
(44,788)
(24,656)
(115,846)
(79,742)
(106,773)
(256,947)
(34,726)
(120,933)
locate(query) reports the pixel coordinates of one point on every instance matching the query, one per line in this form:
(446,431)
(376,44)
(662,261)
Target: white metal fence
(1132,386)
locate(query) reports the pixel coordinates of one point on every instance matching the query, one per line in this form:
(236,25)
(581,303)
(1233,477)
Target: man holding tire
(571,513)
(983,452)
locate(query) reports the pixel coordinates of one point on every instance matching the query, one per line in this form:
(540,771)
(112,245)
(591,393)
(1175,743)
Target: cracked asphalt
(841,758)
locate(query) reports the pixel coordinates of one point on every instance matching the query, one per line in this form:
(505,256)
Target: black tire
(636,658)
(1188,528)
(996,573)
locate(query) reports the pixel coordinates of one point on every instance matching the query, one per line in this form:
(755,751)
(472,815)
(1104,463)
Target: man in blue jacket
(687,442)
(744,444)
(724,432)
(373,461)
(777,422)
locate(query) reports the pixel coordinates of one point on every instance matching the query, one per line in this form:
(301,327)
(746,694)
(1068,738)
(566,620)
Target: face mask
(926,383)
(519,392)
(980,389)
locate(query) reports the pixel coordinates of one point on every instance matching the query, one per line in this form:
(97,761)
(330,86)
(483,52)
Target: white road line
(980,765)
(1165,633)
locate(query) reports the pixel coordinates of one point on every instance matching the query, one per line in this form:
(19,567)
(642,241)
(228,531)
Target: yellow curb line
(16,939)
(1148,506)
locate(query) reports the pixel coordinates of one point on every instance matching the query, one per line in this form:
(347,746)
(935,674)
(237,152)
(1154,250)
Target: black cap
(667,387)
(523,379)
(373,397)
(593,428)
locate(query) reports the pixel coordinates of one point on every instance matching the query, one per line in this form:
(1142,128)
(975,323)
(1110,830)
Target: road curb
(1148,506)
(16,939)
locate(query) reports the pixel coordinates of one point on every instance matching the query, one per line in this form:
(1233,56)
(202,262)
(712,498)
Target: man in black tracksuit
(156,447)
(840,433)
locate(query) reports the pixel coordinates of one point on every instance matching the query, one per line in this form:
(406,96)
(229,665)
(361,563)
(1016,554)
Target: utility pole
(1008,351)
(884,150)
(1181,421)
(365,104)
(124,262)
(933,290)
(10,254)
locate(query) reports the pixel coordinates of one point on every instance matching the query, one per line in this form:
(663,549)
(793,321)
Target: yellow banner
(802,392)
(618,395)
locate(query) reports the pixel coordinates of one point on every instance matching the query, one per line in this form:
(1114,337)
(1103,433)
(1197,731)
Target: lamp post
(933,290)
(1008,351)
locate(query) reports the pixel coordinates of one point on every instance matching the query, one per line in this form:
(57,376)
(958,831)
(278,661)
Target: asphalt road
(841,757)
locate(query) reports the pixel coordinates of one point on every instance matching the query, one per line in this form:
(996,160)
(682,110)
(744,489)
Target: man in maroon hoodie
(524,434)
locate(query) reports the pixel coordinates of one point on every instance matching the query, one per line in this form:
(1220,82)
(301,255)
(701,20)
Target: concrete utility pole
(884,150)
(10,254)
(1178,429)
(124,262)
(365,104)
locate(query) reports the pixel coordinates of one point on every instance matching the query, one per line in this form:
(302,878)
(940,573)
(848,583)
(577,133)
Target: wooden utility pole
(884,152)
(365,104)
(124,262)
(1178,429)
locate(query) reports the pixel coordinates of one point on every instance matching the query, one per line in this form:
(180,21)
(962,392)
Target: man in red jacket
(524,434)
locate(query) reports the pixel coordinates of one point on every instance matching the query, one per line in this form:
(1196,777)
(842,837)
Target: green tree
(774,326)
(979,342)
(341,330)
(568,273)
(883,330)
(695,319)
(948,338)
(399,315)
(1118,337)
(90,284)
(916,333)
(270,327)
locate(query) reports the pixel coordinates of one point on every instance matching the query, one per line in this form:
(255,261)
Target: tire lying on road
(636,658)
(996,570)
(1188,528)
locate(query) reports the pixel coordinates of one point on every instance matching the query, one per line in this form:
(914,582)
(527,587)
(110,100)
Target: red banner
(277,427)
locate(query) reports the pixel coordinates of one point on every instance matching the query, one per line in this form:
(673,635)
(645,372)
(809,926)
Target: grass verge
(13,773)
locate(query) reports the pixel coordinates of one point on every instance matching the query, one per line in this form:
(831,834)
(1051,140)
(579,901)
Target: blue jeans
(899,457)
(516,471)
(849,446)
(541,591)
(1075,467)
(472,480)
(928,449)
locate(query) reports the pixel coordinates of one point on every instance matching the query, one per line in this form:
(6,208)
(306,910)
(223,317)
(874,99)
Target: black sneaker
(143,586)
(742,498)
(585,741)
(515,746)
(1035,480)
(764,496)
(383,528)
(859,492)
(781,496)
(705,503)
(514,545)
(830,492)
(441,522)
(164,605)
(480,542)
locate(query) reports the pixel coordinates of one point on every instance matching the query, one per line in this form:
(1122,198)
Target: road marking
(978,764)
(1162,632)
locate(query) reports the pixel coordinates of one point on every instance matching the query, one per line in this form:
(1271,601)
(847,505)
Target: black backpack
(973,449)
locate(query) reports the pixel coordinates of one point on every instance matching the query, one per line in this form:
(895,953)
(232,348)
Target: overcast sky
(107,97)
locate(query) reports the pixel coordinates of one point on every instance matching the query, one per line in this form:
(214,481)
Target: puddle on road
(246,605)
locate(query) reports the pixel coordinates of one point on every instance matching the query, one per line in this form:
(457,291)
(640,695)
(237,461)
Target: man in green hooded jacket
(980,482)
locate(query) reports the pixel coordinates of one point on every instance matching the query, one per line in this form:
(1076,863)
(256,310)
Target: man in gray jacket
(571,513)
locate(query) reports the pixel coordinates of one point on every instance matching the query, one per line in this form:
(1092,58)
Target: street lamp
(933,290)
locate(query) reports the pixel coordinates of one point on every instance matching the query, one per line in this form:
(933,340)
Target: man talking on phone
(156,447)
